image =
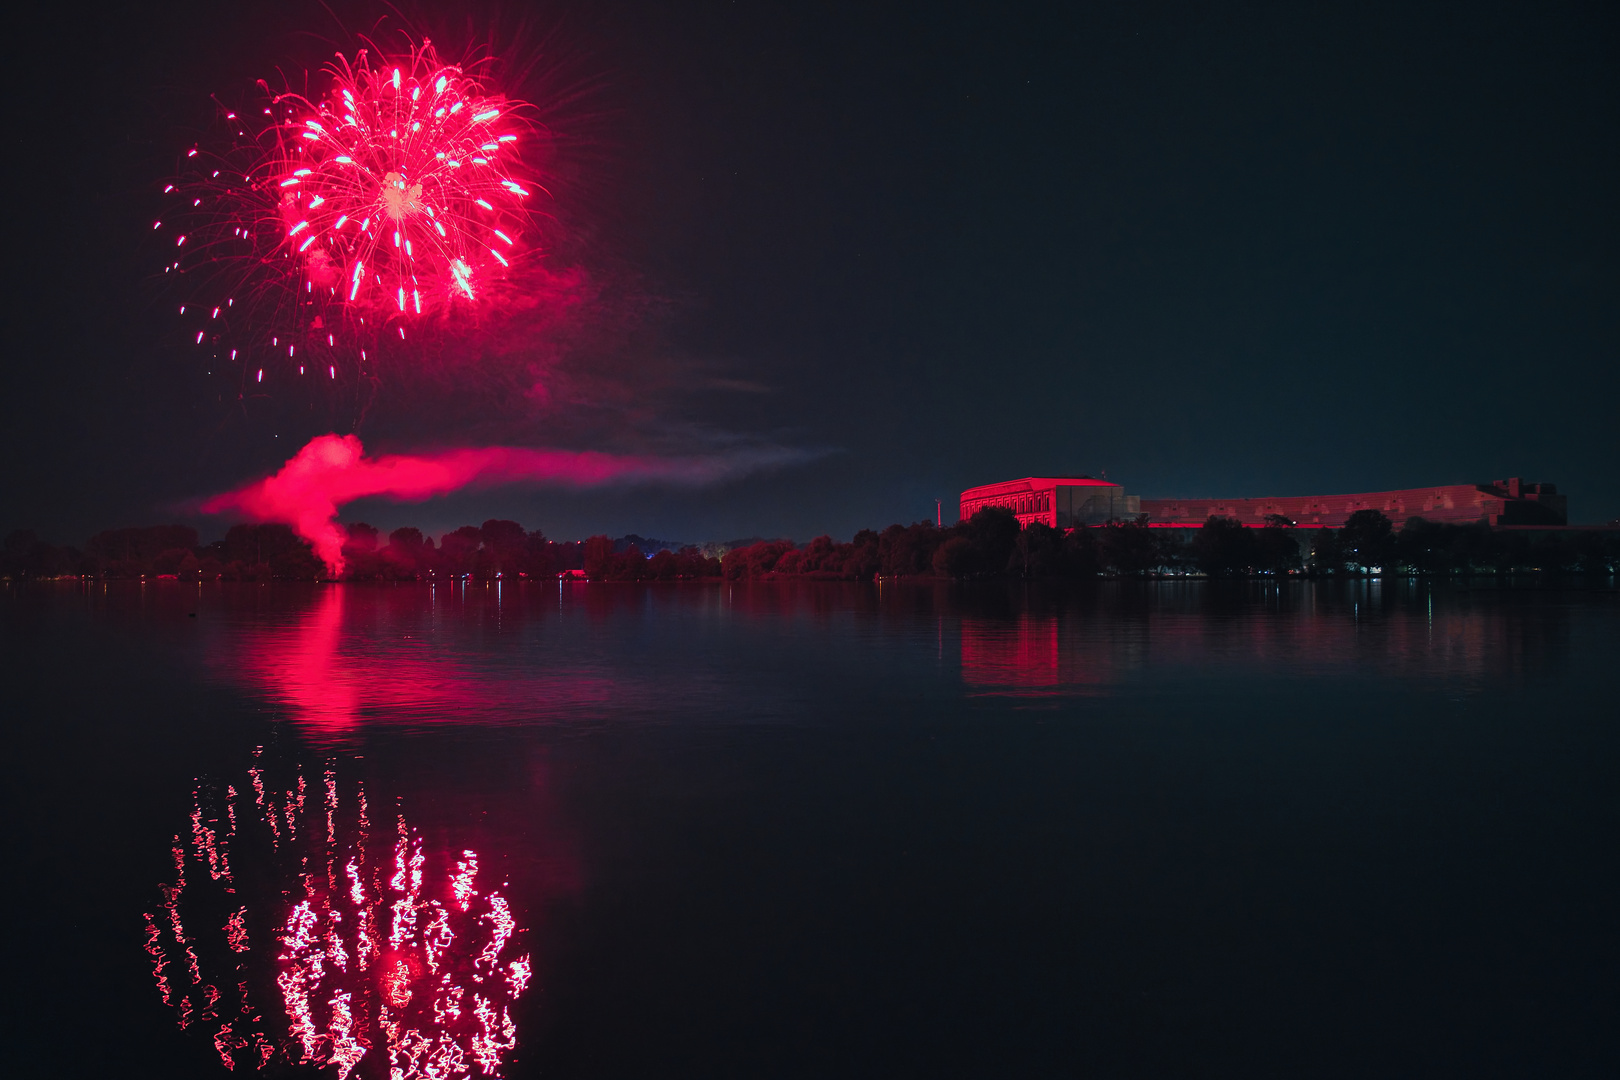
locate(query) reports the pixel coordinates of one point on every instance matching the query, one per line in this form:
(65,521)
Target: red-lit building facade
(1058,501)
(1504,502)
(1067,502)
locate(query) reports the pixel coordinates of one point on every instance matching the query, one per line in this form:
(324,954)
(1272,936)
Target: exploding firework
(297,931)
(337,225)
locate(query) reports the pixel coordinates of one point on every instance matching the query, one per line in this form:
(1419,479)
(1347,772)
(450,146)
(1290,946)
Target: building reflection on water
(1082,647)
(1026,657)
(304,925)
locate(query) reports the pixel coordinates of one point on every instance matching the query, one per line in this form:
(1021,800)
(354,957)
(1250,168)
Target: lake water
(815,830)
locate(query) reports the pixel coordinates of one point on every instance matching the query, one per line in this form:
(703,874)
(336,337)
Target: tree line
(990,544)
(273,552)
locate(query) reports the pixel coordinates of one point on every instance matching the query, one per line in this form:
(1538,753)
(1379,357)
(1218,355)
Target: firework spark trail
(403,170)
(399,195)
(331,470)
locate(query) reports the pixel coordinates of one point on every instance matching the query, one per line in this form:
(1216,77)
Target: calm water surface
(814,830)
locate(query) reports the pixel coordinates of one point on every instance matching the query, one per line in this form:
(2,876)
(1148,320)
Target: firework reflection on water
(304,925)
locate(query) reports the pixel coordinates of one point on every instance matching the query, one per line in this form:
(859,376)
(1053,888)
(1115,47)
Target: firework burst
(342,224)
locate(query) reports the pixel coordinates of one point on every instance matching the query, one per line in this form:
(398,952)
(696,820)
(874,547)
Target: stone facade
(1505,502)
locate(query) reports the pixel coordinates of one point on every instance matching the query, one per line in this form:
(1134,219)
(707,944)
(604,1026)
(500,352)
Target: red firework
(397,197)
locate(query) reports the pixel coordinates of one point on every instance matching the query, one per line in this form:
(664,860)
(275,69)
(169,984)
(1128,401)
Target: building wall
(1069,502)
(1505,502)
(1060,502)
(1095,506)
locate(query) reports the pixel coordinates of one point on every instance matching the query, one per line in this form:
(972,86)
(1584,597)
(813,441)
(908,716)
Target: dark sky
(1221,249)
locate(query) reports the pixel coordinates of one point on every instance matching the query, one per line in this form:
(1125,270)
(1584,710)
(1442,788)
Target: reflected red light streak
(347,1049)
(223,1044)
(519,974)
(330,678)
(436,936)
(501,926)
(159,961)
(331,807)
(1023,658)
(208,849)
(461,885)
(236,935)
(356,894)
(383,970)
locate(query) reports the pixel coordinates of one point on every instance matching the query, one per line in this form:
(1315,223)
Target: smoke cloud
(332,470)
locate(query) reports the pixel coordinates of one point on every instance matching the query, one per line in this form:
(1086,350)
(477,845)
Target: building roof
(1036,483)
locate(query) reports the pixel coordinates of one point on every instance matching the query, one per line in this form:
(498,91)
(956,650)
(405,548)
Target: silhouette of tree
(1592,553)
(1129,548)
(754,561)
(1367,540)
(1277,546)
(1425,547)
(25,555)
(538,557)
(1327,556)
(1081,558)
(503,549)
(992,532)
(1224,547)
(598,555)
(954,558)
(1038,552)
(865,556)
(129,553)
(906,550)
(458,550)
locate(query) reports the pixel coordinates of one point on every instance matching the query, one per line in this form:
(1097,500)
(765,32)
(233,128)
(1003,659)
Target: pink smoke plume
(332,470)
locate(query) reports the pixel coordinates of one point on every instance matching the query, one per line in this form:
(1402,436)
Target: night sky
(1223,249)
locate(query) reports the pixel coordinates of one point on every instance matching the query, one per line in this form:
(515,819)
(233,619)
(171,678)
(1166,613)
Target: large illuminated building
(1068,502)
(1061,502)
